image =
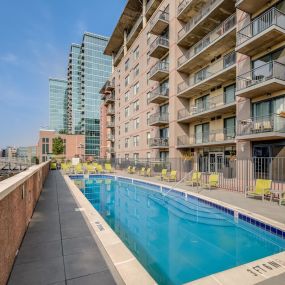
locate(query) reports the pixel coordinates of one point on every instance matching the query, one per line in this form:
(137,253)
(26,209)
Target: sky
(35,40)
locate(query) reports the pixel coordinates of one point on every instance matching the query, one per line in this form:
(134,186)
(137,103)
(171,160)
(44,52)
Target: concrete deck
(268,209)
(58,247)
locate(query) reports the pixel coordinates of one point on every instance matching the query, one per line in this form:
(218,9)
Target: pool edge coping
(222,277)
(124,266)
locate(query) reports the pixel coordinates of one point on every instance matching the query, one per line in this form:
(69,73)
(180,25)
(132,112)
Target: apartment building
(199,79)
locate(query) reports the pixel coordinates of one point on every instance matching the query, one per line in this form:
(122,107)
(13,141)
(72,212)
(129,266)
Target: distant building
(28,152)
(74,145)
(58,105)
(10,152)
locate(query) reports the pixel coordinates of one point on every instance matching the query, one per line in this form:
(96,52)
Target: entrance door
(216,161)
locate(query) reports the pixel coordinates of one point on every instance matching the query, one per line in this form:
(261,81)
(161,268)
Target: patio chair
(142,171)
(148,172)
(53,166)
(195,179)
(90,168)
(133,170)
(163,174)
(65,167)
(261,189)
(79,169)
(172,177)
(109,168)
(129,169)
(99,168)
(212,182)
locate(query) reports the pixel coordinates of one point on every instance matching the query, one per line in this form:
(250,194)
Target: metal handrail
(159,142)
(160,65)
(159,91)
(159,117)
(159,41)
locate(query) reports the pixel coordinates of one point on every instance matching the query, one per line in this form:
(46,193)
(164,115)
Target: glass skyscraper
(58,105)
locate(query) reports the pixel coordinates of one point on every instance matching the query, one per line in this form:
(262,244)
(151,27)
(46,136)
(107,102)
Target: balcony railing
(159,66)
(110,149)
(206,73)
(227,25)
(268,71)
(159,41)
(110,124)
(158,92)
(160,15)
(212,103)
(260,24)
(214,136)
(110,137)
(203,12)
(159,117)
(158,142)
(110,98)
(182,5)
(110,111)
(263,124)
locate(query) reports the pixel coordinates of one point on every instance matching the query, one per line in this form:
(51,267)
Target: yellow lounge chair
(108,168)
(195,179)
(163,174)
(53,166)
(142,171)
(90,168)
(148,172)
(129,169)
(212,182)
(171,177)
(78,168)
(261,189)
(65,167)
(133,170)
(99,168)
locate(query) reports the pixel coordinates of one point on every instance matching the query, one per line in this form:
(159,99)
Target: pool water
(176,239)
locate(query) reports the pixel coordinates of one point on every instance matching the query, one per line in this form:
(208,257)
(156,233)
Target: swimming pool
(178,238)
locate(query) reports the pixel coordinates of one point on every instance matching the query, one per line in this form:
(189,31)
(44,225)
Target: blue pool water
(176,239)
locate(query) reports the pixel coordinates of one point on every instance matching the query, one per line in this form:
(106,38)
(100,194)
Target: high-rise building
(200,79)
(58,104)
(88,70)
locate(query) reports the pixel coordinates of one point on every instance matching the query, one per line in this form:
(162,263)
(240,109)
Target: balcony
(250,6)
(159,23)
(217,42)
(218,73)
(110,98)
(110,150)
(262,33)
(159,71)
(186,8)
(110,124)
(119,55)
(138,25)
(159,119)
(110,137)
(265,79)
(110,86)
(110,111)
(159,47)
(195,28)
(215,137)
(159,95)
(214,106)
(151,7)
(159,143)
(261,128)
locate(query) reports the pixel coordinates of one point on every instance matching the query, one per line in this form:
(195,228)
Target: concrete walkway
(58,247)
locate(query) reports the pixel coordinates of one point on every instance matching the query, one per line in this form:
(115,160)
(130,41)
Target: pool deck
(268,209)
(58,247)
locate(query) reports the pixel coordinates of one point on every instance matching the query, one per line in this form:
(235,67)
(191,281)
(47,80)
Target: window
(136,123)
(126,127)
(127,96)
(147,117)
(127,64)
(147,138)
(126,142)
(202,104)
(136,140)
(136,70)
(229,94)
(202,133)
(127,80)
(126,156)
(136,156)
(148,58)
(148,97)
(148,156)
(136,53)
(136,88)
(127,112)
(230,128)
(136,105)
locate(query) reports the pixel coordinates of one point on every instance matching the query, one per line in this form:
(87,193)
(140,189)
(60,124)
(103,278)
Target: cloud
(9,58)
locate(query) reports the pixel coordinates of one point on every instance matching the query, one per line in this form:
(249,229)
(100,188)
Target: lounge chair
(65,167)
(133,170)
(142,171)
(90,168)
(79,169)
(195,179)
(261,189)
(212,182)
(172,177)
(129,169)
(53,166)
(99,168)
(108,168)
(163,174)
(148,172)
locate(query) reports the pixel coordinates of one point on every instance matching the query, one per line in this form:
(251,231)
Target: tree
(57,146)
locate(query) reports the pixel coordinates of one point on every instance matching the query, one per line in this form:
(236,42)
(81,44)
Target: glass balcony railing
(110,124)
(159,66)
(213,36)
(206,73)
(260,24)
(182,5)
(215,136)
(268,71)
(159,118)
(159,41)
(110,98)
(213,103)
(263,124)
(159,92)
(158,142)
(160,15)
(203,12)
